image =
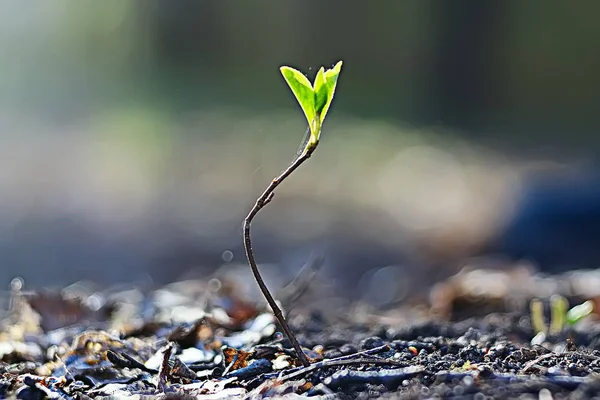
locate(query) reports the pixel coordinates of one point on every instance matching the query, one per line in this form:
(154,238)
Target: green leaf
(580,311)
(321,92)
(303,90)
(325,90)
(315,100)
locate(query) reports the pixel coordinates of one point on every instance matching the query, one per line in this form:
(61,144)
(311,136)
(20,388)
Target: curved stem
(262,201)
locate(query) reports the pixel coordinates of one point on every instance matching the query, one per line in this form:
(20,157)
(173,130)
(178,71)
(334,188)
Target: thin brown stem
(340,363)
(262,201)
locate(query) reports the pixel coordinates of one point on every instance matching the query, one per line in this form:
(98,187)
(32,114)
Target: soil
(206,339)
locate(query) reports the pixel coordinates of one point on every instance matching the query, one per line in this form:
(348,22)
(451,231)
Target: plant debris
(197,339)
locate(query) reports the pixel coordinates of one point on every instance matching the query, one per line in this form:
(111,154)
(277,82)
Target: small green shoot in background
(315,100)
(575,314)
(561,316)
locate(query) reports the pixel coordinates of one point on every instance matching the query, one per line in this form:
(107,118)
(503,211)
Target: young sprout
(577,313)
(558,314)
(537,316)
(315,100)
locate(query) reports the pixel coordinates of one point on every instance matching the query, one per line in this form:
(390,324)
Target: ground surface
(204,339)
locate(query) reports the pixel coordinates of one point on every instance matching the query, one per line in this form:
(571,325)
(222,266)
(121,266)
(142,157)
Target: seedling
(538,323)
(315,100)
(560,315)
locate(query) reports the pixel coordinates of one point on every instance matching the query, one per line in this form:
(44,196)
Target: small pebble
(371,343)
(332,353)
(348,349)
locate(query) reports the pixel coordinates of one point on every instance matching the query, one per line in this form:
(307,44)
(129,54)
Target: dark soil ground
(204,339)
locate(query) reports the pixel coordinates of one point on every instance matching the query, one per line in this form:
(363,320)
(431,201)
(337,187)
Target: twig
(354,356)
(262,201)
(370,352)
(340,363)
(350,359)
(533,364)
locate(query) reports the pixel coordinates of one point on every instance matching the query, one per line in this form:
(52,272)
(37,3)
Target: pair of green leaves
(315,99)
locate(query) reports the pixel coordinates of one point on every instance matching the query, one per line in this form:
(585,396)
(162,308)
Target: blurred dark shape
(58,311)
(556,224)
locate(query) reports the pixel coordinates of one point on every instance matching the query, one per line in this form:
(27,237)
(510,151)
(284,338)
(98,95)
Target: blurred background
(136,135)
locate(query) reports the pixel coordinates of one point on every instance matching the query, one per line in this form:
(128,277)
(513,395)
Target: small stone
(348,349)
(371,343)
